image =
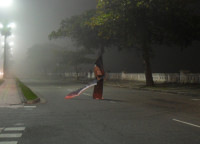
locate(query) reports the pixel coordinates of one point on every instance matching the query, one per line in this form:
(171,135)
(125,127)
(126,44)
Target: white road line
(186,123)
(11,106)
(15,129)
(14,135)
(9,142)
(196,99)
(29,106)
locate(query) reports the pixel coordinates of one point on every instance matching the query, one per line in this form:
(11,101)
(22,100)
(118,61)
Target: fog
(36,19)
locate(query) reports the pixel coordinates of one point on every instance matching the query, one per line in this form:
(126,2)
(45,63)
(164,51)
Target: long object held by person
(81,90)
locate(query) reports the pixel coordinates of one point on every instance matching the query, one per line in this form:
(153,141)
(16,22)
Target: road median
(29,96)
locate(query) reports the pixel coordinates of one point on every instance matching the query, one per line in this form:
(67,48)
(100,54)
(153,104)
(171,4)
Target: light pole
(6,32)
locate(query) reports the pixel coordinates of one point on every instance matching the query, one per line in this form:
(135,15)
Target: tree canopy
(138,24)
(82,34)
(158,21)
(145,23)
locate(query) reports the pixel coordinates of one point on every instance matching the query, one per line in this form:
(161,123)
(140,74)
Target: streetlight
(11,25)
(5,3)
(6,32)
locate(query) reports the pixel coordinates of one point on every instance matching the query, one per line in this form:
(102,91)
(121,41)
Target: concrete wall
(157,77)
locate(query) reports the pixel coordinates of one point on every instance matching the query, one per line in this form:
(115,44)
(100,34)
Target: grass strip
(29,95)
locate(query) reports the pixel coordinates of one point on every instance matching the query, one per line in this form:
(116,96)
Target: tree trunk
(101,50)
(76,70)
(147,66)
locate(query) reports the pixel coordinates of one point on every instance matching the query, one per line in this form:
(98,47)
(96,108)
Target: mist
(36,19)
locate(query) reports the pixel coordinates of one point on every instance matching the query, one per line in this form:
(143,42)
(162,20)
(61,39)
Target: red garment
(98,72)
(98,90)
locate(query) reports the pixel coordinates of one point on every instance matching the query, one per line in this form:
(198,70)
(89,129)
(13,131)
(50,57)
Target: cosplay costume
(99,74)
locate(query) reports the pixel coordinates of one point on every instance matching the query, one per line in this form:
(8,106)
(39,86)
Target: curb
(37,100)
(23,98)
(42,99)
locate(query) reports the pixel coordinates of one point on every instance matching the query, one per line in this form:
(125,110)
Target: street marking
(29,106)
(186,123)
(14,135)
(196,99)
(11,106)
(9,142)
(14,129)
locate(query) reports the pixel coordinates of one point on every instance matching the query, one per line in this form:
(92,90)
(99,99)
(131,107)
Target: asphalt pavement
(125,116)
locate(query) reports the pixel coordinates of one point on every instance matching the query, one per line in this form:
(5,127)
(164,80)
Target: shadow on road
(113,100)
(109,100)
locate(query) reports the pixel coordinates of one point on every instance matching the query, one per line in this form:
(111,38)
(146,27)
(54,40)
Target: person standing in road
(99,74)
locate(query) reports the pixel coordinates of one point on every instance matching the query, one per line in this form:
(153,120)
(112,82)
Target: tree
(83,35)
(145,23)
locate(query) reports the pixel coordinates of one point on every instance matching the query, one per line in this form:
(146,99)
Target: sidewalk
(9,94)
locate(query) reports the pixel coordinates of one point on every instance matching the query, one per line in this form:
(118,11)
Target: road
(125,116)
